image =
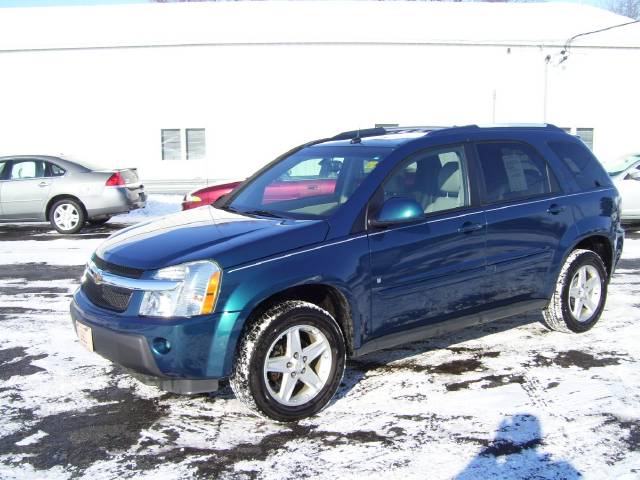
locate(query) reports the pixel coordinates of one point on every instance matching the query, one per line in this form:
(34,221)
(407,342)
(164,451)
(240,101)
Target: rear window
(585,168)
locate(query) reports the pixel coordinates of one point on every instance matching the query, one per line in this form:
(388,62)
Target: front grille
(116,269)
(106,296)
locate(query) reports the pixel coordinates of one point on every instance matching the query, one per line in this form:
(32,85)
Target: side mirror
(634,174)
(397,210)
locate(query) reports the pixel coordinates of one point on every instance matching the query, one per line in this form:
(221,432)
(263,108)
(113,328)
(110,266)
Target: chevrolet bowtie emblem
(95,275)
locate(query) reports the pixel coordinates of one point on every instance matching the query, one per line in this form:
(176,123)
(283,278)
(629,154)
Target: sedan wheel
(67,216)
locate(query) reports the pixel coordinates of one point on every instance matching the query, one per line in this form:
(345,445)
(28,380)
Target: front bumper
(199,351)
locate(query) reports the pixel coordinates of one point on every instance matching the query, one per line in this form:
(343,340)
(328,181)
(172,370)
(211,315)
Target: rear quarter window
(583,166)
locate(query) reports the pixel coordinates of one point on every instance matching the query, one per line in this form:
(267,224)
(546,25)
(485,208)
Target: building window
(196,144)
(193,139)
(171,145)
(586,135)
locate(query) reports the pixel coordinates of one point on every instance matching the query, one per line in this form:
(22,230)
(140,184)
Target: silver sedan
(65,192)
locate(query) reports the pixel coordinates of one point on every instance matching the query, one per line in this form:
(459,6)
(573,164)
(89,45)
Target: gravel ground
(506,400)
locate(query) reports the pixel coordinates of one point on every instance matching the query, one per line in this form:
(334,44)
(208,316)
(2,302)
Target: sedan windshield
(618,166)
(311,183)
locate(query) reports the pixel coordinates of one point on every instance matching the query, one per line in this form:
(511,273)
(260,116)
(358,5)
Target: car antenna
(357,138)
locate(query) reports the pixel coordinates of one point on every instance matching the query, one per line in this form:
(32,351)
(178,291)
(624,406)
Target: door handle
(43,184)
(555,209)
(468,227)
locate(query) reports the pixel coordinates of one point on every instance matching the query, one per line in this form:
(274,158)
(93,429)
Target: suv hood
(208,233)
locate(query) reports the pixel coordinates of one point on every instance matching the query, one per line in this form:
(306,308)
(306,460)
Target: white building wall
(256,101)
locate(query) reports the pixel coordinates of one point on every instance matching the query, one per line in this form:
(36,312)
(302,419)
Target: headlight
(192,198)
(195,294)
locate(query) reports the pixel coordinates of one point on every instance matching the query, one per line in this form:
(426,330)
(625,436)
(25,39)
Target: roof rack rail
(377,131)
(517,125)
(374,132)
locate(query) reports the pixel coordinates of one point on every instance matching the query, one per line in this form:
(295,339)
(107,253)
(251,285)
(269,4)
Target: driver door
(429,271)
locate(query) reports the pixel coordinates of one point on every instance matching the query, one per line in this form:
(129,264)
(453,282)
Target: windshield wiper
(263,213)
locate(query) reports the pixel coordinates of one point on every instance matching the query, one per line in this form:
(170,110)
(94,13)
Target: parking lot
(506,400)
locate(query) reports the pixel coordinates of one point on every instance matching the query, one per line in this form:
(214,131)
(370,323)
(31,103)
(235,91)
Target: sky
(38,3)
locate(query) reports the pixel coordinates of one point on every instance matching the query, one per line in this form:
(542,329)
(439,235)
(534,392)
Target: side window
(56,171)
(436,179)
(25,169)
(2,166)
(584,167)
(512,171)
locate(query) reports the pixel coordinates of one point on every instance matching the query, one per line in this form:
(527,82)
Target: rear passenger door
(526,219)
(25,190)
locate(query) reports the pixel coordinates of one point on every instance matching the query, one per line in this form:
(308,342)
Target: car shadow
(44,231)
(357,368)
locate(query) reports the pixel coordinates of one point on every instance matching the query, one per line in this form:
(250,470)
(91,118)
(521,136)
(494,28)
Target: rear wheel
(290,362)
(580,294)
(67,216)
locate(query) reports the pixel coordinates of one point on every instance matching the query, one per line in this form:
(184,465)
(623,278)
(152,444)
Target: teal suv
(351,244)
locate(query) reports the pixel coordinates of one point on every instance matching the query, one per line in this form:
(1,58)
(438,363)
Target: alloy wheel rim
(585,291)
(66,216)
(297,365)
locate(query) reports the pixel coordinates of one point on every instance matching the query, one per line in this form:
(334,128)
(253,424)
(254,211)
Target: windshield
(616,167)
(311,183)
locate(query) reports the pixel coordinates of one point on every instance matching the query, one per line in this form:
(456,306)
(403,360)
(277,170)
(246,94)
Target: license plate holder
(85,336)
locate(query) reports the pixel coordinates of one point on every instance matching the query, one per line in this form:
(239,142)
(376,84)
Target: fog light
(161,346)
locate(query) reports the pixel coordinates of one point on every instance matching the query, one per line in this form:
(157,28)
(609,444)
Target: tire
(309,383)
(576,307)
(98,222)
(67,216)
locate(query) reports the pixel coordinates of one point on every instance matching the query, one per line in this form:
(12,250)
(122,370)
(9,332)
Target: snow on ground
(506,400)
(157,205)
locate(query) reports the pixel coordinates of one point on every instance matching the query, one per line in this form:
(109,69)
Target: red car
(207,195)
(275,192)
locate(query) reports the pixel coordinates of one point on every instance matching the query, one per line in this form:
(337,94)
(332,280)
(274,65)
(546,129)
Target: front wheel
(580,294)
(67,216)
(290,362)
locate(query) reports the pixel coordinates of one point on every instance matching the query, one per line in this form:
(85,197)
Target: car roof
(397,136)
(61,162)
